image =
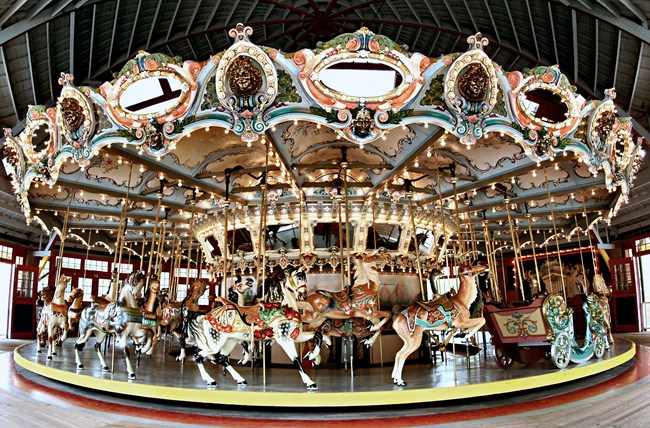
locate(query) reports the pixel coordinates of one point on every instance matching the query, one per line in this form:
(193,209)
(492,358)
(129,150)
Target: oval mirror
(40,138)
(362,79)
(152,95)
(544,105)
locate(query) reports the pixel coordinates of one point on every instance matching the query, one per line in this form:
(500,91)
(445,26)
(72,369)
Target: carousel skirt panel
(161,377)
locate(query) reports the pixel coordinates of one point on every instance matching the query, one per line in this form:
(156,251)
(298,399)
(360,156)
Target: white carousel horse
(217,332)
(54,318)
(439,314)
(361,301)
(75,306)
(122,318)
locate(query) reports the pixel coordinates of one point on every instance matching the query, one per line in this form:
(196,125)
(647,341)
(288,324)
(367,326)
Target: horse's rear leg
(411,343)
(222,358)
(123,342)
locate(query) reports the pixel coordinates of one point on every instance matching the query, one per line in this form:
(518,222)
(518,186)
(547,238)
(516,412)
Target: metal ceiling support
(37,9)
(471,17)
(153,26)
(532,28)
(610,8)
(169,172)
(494,25)
(191,22)
(71,46)
(443,173)
(242,171)
(171,24)
(433,15)
(31,68)
(636,77)
(250,11)
(49,61)
(512,24)
(135,25)
(92,42)
(618,53)
(110,50)
(574,26)
(9,87)
(298,165)
(415,14)
(550,17)
(115,212)
(636,11)
(596,58)
(453,17)
(214,11)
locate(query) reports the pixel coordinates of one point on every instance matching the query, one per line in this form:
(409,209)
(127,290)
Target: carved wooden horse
(75,306)
(603,293)
(361,301)
(438,314)
(122,318)
(55,318)
(218,332)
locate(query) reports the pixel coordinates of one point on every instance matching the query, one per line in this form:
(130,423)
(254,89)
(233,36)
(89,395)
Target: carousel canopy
(173,111)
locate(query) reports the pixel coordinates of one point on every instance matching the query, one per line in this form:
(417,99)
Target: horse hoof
(54,353)
(243,382)
(131,375)
(80,366)
(312,387)
(39,351)
(213,383)
(106,369)
(49,357)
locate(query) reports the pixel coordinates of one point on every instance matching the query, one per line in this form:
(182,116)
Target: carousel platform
(161,377)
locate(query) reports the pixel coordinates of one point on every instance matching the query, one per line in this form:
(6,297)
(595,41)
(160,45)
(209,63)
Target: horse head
(64,280)
(76,293)
(297,282)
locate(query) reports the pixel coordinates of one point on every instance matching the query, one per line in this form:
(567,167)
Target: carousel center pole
(225,205)
(348,223)
(155,230)
(189,249)
(123,223)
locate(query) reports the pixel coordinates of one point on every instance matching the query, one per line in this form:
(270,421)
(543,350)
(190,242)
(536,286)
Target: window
(24,286)
(123,267)
(86,284)
(205,274)
(642,245)
(6,252)
(104,286)
(97,265)
(164,280)
(181,291)
(69,262)
(182,273)
(19,260)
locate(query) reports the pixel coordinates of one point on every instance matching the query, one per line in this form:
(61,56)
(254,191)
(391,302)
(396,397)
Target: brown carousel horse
(441,313)
(75,306)
(219,331)
(54,319)
(122,318)
(603,292)
(360,301)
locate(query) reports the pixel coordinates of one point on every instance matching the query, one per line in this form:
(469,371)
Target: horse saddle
(250,314)
(432,305)
(101,302)
(340,299)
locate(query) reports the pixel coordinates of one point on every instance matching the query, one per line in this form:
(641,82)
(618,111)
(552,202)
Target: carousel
(357,213)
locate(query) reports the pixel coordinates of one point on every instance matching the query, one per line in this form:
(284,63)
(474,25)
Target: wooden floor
(619,397)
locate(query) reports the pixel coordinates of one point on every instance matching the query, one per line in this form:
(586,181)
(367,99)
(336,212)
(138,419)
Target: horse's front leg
(289,346)
(122,339)
(50,340)
(64,327)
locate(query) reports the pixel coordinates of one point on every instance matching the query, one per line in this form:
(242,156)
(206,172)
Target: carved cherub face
(244,78)
(473,83)
(72,113)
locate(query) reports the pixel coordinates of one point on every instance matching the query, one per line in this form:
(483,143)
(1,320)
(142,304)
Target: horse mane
(365,273)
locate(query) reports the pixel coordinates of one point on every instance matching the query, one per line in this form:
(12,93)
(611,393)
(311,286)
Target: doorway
(6,280)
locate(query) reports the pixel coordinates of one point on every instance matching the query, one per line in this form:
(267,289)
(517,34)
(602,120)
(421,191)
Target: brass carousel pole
(155,230)
(548,264)
(189,249)
(172,254)
(442,213)
(225,205)
(557,241)
(489,249)
(582,261)
(454,180)
(532,243)
(123,223)
(515,249)
(144,243)
(261,267)
(409,196)
(64,234)
(344,166)
(341,255)
(161,247)
(374,237)
(591,246)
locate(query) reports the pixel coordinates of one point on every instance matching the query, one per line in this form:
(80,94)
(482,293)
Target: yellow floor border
(324,399)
